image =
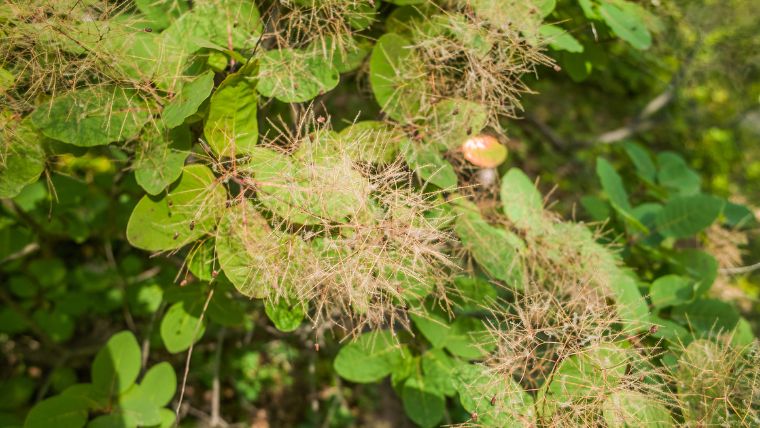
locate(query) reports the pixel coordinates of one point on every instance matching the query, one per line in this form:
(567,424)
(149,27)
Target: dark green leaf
(675,174)
(699,265)
(685,216)
(641,159)
(423,404)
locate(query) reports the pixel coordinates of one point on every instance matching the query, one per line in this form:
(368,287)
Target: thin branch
(741,269)
(642,121)
(216,419)
(190,355)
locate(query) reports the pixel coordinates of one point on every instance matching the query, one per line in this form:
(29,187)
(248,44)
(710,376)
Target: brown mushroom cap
(484,151)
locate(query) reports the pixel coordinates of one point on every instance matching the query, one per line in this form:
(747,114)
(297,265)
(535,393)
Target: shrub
(281,195)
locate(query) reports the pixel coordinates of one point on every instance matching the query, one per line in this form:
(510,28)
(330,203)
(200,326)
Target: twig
(741,269)
(639,123)
(642,122)
(189,356)
(146,341)
(216,419)
(546,131)
(28,249)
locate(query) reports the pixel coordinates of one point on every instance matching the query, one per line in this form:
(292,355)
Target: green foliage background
(262,213)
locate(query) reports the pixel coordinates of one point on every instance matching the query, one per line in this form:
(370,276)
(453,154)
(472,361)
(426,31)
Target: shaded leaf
(685,216)
(699,265)
(22,158)
(161,158)
(369,358)
(423,404)
(674,174)
(641,159)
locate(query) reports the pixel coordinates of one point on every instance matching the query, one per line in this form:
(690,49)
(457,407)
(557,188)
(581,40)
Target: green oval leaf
(232,125)
(628,408)
(186,213)
(117,364)
(423,404)
(454,120)
(369,358)
(182,326)
(242,249)
(59,411)
(521,201)
(670,290)
(295,76)
(161,156)
(496,250)
(312,187)
(372,141)
(159,384)
(22,158)
(395,84)
(685,216)
(186,102)
(93,116)
(429,165)
(497,400)
(559,39)
(625,20)
(286,316)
